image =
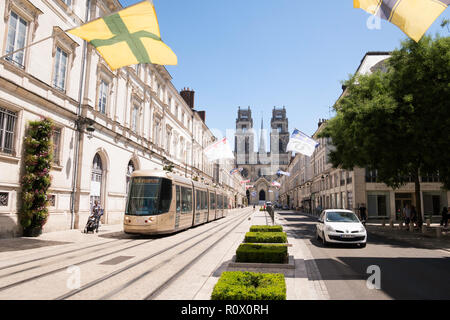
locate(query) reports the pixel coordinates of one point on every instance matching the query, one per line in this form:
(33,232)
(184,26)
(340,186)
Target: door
(178,207)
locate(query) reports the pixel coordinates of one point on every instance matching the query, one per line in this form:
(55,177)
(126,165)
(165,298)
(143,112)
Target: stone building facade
(107,123)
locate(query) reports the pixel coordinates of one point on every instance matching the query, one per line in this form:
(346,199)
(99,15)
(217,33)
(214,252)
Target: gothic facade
(261,166)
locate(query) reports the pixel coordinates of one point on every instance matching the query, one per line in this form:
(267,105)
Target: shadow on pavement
(18,244)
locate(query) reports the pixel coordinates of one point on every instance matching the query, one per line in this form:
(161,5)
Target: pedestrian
(407,214)
(414,218)
(362,213)
(97,211)
(444,220)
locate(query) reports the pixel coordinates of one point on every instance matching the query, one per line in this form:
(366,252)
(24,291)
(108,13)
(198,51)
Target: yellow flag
(414,17)
(128,37)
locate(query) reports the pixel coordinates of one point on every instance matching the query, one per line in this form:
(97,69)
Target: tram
(161,202)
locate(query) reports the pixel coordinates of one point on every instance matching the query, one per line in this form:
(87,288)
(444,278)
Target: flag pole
(34,43)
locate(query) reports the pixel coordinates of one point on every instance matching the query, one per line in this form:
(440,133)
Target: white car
(340,226)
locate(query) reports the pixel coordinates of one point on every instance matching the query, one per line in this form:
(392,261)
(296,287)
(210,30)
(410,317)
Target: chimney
(188,96)
(321,121)
(202,115)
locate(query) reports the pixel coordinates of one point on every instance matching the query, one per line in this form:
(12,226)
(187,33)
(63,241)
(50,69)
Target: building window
(66,2)
(135,119)
(7,128)
(4,199)
(430,177)
(279,128)
(51,199)
(59,72)
(371,175)
(103,96)
(56,139)
(17,33)
(378,204)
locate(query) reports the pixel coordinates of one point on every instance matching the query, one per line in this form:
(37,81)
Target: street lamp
(87,123)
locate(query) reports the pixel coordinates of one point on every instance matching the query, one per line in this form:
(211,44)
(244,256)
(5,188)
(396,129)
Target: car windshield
(338,216)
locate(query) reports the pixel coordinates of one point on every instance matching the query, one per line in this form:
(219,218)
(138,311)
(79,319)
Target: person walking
(414,218)
(407,215)
(362,213)
(97,211)
(444,220)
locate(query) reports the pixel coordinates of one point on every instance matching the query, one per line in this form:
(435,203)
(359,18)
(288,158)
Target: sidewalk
(416,238)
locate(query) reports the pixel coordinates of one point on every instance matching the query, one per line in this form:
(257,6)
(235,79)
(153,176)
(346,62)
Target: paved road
(120,266)
(406,272)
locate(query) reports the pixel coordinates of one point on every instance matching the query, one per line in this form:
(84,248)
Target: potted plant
(36,179)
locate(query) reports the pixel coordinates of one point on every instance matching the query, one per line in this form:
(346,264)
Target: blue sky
(262,53)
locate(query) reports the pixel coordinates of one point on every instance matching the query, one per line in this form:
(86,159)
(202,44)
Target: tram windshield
(149,196)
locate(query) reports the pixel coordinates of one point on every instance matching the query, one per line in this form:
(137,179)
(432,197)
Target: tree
(398,122)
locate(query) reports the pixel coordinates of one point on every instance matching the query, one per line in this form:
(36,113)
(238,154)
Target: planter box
(265,237)
(266,229)
(266,267)
(236,285)
(262,253)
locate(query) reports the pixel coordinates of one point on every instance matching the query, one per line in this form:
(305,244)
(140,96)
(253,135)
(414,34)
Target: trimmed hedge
(262,253)
(265,237)
(237,285)
(266,229)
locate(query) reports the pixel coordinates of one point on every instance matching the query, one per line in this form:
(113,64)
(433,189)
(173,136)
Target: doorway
(401,200)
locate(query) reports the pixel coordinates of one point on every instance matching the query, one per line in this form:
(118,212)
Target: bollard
(424,229)
(383,223)
(391,224)
(411,226)
(401,225)
(438,232)
(428,223)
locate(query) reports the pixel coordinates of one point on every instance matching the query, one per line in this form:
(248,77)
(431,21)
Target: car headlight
(330,229)
(362,230)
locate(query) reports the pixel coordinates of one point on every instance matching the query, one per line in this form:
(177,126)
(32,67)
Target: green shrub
(250,286)
(36,179)
(265,237)
(266,229)
(262,253)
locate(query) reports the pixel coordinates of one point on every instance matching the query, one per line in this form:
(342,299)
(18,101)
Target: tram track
(17,283)
(98,281)
(55,255)
(186,267)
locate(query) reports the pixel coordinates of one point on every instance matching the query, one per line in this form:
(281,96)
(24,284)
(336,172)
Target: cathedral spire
(262,140)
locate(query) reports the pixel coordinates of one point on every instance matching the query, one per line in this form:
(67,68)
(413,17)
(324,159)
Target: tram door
(178,208)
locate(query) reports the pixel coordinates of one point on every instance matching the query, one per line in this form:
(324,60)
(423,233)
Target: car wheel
(317,235)
(324,241)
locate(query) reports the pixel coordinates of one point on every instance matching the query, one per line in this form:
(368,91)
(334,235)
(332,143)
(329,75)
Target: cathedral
(260,166)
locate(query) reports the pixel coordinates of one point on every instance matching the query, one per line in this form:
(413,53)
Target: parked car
(285,207)
(340,226)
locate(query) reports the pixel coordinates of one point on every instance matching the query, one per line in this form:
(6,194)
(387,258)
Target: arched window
(96,179)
